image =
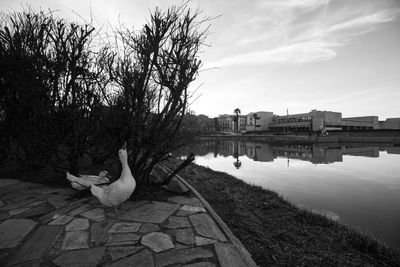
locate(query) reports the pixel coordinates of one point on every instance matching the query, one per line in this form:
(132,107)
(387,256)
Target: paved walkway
(44,226)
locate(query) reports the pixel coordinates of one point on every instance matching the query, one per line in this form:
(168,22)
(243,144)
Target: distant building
(258,121)
(241,123)
(390,123)
(314,120)
(360,123)
(225,123)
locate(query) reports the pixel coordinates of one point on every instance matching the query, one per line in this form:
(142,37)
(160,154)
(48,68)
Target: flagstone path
(43,226)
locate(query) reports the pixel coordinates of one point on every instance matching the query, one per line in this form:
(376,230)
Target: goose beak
(124,146)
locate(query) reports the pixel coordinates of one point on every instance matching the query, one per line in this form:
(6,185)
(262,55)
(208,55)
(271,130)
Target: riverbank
(276,232)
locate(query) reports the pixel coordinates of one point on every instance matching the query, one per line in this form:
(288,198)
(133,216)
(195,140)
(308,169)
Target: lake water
(356,184)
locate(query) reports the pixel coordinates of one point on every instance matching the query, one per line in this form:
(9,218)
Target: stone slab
(7,182)
(182,256)
(37,203)
(149,227)
(201,264)
(192,201)
(15,190)
(4,191)
(154,212)
(17,211)
(121,252)
(21,196)
(193,209)
(3,255)
(98,231)
(142,258)
(122,239)
(125,227)
(36,211)
(180,246)
(41,240)
(83,257)
(206,227)
(58,200)
(157,241)
(50,190)
(178,222)
(96,214)
(75,240)
(4,215)
(202,241)
(1,203)
(16,195)
(63,219)
(128,205)
(80,209)
(183,213)
(78,224)
(58,212)
(228,255)
(13,231)
(17,205)
(185,236)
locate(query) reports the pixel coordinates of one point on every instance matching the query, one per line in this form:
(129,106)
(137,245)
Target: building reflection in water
(321,153)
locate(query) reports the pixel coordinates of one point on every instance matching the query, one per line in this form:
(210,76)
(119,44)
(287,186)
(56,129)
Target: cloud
(311,41)
(365,22)
(298,4)
(294,53)
(347,27)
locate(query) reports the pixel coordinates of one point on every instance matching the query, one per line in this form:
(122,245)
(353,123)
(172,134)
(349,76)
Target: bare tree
(150,73)
(25,78)
(48,87)
(74,94)
(60,99)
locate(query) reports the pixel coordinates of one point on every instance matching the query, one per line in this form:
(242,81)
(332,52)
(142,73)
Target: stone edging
(235,241)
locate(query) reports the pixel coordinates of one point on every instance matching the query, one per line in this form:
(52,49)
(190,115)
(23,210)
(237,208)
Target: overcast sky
(273,55)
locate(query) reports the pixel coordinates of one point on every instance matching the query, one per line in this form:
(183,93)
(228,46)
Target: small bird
(85,181)
(119,191)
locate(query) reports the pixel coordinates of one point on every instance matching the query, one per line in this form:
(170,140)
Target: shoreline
(393,139)
(277,232)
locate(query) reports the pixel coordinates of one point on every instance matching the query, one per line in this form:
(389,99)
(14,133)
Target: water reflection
(358,184)
(266,152)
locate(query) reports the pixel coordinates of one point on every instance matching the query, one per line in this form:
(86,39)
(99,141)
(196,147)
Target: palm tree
(236,163)
(237,112)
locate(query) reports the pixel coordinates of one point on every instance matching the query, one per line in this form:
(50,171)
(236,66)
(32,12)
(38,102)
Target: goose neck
(124,164)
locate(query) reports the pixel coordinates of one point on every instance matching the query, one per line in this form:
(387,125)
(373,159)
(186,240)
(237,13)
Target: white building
(258,121)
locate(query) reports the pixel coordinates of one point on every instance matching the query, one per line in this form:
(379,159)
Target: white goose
(85,181)
(120,190)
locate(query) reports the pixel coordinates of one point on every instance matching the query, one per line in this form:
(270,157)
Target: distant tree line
(194,125)
(66,92)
